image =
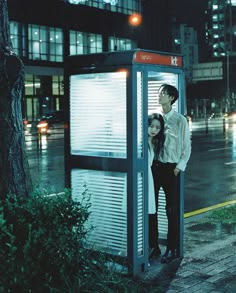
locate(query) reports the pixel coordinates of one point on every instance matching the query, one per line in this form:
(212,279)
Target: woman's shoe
(168,256)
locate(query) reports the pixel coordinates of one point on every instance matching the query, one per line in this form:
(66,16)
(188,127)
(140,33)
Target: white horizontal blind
(108,197)
(140,226)
(161,214)
(98,114)
(139,114)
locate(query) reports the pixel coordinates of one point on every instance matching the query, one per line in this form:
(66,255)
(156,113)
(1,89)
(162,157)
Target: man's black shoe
(168,256)
(154,252)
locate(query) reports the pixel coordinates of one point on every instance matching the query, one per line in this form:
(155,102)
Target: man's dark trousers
(163,174)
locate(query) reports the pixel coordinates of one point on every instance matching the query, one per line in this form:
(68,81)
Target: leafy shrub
(42,249)
(224,215)
(41,242)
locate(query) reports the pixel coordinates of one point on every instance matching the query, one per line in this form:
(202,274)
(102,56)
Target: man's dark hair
(170,90)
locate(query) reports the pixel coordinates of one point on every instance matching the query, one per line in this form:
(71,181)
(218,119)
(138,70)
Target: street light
(135,19)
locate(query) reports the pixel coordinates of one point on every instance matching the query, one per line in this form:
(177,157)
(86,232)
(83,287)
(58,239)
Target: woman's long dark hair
(157,140)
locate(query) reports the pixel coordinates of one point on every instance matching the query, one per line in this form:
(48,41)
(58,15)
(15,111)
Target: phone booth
(106,146)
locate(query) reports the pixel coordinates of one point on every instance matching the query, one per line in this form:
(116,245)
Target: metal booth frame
(106,145)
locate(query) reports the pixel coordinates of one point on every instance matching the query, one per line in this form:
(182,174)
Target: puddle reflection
(217,229)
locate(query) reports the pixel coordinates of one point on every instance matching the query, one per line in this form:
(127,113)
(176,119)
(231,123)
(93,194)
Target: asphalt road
(210,177)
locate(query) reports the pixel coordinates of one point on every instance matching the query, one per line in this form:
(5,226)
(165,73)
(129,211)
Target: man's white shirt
(177,144)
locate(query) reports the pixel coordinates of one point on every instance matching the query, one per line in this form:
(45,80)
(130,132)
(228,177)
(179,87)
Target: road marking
(230,163)
(214,150)
(204,210)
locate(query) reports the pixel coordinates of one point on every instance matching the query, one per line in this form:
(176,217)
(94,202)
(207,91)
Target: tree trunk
(14,169)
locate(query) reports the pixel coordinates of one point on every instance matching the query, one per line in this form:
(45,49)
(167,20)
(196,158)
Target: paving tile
(202,287)
(214,269)
(184,273)
(215,278)
(209,265)
(232,270)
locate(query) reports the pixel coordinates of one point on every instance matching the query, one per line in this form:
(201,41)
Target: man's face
(163,97)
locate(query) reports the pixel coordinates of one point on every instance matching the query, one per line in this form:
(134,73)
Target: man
(171,161)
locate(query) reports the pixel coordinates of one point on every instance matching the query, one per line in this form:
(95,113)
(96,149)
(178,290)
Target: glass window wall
(85,43)
(43,94)
(122,6)
(18,38)
(56,45)
(120,44)
(45,43)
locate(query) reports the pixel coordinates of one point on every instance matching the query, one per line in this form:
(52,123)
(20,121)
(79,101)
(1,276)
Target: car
(52,122)
(230,116)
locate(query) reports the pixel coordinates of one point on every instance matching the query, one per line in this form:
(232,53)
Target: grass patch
(224,215)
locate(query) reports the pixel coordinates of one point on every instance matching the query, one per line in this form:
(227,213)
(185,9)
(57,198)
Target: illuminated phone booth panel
(106,145)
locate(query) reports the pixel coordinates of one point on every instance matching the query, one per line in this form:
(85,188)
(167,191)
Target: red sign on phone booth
(155,58)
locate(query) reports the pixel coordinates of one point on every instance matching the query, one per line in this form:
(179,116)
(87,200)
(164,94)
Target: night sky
(190,11)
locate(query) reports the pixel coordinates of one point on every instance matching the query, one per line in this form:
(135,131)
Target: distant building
(221,27)
(219,93)
(185,43)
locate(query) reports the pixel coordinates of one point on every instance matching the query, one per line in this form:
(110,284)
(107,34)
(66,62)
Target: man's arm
(185,145)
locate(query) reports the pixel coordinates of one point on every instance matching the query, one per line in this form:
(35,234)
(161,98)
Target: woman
(155,143)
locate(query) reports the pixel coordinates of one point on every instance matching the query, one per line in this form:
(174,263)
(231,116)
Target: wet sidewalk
(208,265)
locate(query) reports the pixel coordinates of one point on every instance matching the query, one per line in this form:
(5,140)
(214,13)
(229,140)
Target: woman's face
(154,128)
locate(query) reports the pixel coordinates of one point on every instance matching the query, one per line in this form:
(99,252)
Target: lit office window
(76,43)
(120,44)
(18,38)
(94,43)
(122,6)
(31,99)
(32,84)
(37,42)
(45,43)
(57,85)
(215,17)
(84,43)
(56,45)
(127,6)
(232,2)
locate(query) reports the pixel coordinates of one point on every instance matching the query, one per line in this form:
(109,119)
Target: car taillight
(42,124)
(42,127)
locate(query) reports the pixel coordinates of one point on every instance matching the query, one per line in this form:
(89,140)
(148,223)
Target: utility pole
(227,81)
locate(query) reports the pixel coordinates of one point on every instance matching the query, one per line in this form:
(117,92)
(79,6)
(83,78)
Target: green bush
(41,242)
(224,215)
(42,249)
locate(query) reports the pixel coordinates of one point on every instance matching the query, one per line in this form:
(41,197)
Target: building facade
(185,43)
(221,27)
(218,94)
(44,32)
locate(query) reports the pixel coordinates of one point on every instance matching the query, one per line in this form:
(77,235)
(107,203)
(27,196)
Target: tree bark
(14,169)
